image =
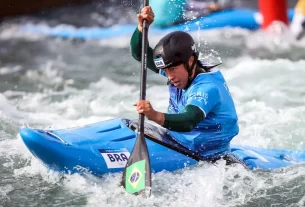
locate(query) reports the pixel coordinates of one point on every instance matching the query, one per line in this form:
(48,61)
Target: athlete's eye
(171,69)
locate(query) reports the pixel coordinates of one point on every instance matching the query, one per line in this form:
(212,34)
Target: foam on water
(52,93)
(270,113)
(270,102)
(10,31)
(263,123)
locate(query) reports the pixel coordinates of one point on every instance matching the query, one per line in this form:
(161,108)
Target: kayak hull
(104,147)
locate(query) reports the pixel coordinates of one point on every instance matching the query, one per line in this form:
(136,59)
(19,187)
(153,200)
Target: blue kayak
(243,18)
(105,147)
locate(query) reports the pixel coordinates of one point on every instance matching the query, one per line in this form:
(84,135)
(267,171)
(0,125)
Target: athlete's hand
(214,7)
(146,13)
(144,107)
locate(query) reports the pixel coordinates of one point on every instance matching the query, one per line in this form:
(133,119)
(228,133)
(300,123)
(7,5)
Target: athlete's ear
(191,60)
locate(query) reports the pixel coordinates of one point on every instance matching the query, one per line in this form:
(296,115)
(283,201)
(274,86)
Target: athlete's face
(178,75)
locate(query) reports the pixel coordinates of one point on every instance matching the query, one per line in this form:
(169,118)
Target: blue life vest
(212,136)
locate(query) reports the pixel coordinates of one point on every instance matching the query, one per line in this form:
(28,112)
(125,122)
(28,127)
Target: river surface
(55,83)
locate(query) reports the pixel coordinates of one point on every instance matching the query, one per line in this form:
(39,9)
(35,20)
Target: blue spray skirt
(104,147)
(243,18)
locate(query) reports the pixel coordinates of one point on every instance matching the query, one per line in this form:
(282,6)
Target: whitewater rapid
(54,83)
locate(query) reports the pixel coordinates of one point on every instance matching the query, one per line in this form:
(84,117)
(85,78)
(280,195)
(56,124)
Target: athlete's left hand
(144,107)
(213,7)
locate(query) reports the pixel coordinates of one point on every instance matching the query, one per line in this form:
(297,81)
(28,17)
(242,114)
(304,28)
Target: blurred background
(67,63)
(87,11)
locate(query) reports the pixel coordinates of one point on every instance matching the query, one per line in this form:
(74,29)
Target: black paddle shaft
(143,71)
(137,172)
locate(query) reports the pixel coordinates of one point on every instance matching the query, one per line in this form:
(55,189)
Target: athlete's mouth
(176,83)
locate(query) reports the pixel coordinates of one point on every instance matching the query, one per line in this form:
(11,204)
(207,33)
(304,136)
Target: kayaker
(197,8)
(201,112)
(170,12)
(297,25)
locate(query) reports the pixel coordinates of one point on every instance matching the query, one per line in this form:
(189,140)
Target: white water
(67,84)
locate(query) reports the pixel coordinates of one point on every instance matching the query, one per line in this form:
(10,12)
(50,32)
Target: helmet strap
(190,71)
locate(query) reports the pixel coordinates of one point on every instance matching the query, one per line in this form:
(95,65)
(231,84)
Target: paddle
(137,173)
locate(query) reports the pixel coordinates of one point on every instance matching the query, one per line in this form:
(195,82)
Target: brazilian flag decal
(135,177)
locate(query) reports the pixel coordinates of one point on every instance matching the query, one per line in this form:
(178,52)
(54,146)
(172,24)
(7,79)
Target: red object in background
(273,10)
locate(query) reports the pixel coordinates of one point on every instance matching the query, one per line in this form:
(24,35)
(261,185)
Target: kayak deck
(105,147)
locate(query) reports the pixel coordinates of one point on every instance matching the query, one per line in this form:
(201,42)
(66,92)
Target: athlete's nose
(170,76)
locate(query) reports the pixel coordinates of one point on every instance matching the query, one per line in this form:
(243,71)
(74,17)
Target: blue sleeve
(204,96)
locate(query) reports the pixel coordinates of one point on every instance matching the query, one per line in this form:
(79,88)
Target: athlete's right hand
(146,13)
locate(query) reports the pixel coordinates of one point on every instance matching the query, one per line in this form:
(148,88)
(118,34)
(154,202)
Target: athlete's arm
(184,122)
(136,49)
(201,100)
